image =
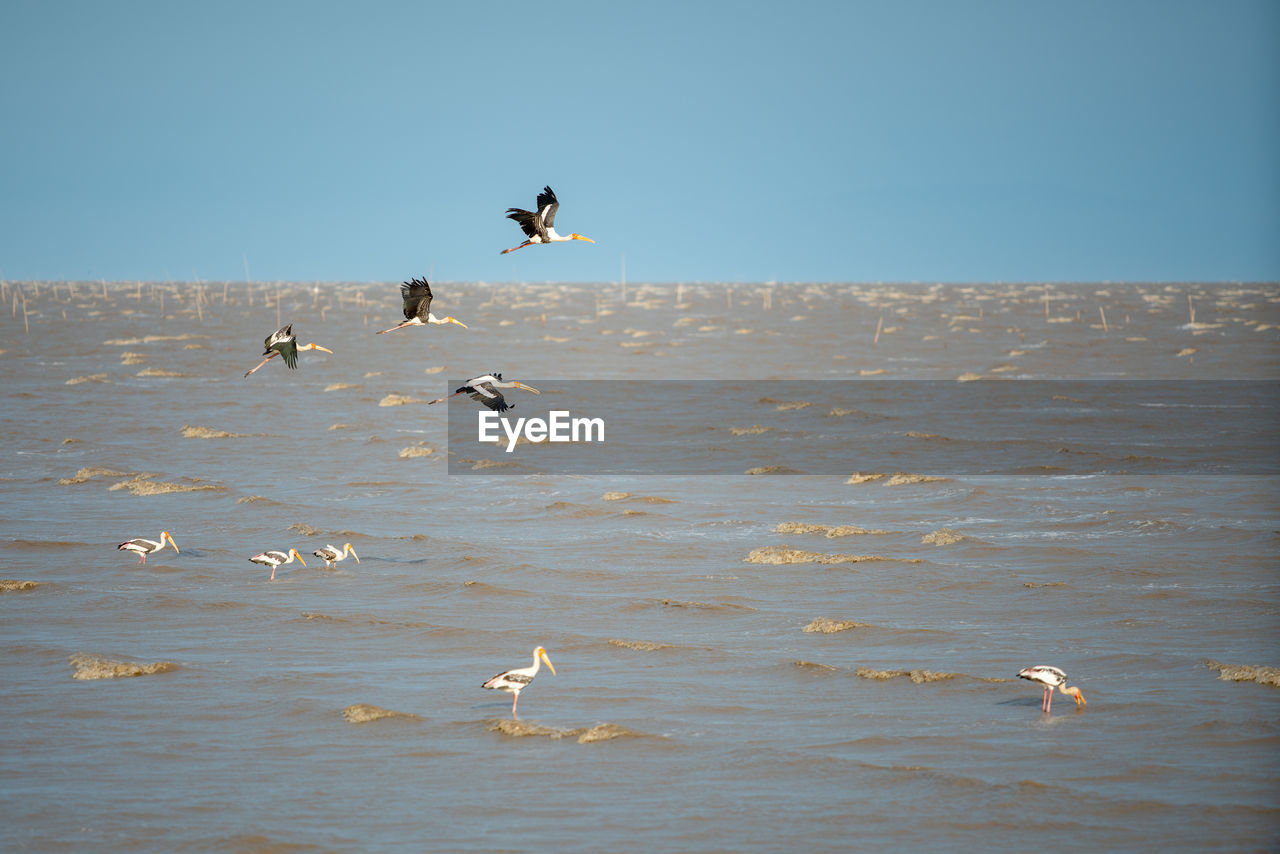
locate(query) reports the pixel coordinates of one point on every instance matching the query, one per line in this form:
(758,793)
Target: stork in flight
(284,343)
(485,390)
(538,226)
(417,307)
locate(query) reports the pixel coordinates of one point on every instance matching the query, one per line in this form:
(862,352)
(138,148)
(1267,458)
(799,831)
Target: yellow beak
(527,387)
(583,237)
(455,320)
(547,661)
(299,557)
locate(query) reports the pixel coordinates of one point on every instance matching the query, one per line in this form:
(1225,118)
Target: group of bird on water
(539,228)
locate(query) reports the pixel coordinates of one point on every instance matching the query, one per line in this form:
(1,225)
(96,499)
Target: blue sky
(699,141)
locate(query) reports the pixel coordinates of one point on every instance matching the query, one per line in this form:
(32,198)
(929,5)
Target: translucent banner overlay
(838,427)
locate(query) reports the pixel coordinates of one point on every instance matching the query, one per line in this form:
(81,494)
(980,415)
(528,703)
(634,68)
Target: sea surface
(809,658)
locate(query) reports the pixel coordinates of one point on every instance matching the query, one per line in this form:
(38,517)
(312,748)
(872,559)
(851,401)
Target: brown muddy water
(744,662)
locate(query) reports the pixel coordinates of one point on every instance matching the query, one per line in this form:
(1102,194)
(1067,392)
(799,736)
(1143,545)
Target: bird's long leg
(394,328)
(1048,699)
(442,399)
(273,573)
(514,248)
(142,557)
(273,354)
(515,698)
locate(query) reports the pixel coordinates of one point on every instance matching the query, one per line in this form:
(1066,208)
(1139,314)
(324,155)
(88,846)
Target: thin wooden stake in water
(1104,319)
(1046,303)
(1191,308)
(879,324)
(26,324)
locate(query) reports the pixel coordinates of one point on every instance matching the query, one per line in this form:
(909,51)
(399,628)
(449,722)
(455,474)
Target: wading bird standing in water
(331,556)
(416,294)
(515,681)
(1050,678)
(284,343)
(485,390)
(146,547)
(274,559)
(538,226)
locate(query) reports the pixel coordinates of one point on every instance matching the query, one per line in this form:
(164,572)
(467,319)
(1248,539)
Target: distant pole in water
(1191,308)
(879,324)
(1104,319)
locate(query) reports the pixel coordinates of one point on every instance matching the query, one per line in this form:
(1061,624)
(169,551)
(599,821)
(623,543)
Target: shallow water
(691,709)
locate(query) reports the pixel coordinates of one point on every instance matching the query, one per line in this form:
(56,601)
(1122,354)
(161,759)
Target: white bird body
(515,681)
(1050,678)
(145,547)
(276,559)
(539,226)
(331,556)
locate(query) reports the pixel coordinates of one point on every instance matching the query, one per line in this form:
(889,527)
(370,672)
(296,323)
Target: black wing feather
(289,350)
(530,223)
(497,403)
(416,294)
(285,331)
(547,202)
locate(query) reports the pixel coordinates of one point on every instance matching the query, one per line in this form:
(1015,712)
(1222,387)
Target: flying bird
(538,226)
(331,556)
(284,343)
(1050,678)
(275,559)
(485,390)
(416,294)
(146,547)
(515,681)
